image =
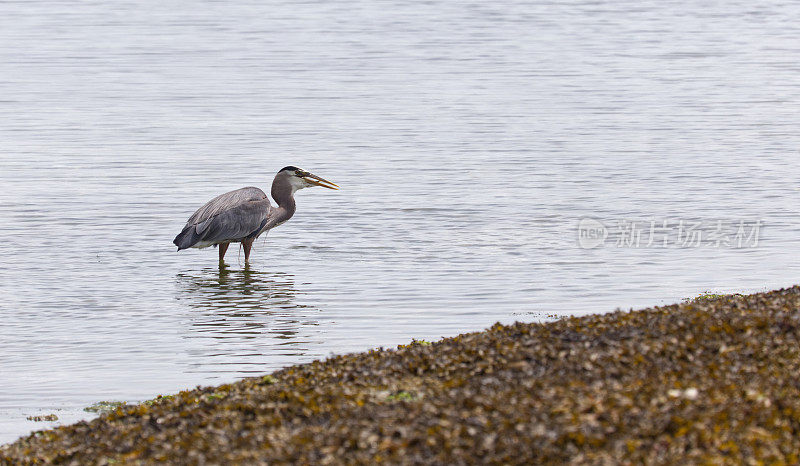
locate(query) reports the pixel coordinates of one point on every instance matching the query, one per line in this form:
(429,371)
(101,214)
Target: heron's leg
(247,244)
(223,248)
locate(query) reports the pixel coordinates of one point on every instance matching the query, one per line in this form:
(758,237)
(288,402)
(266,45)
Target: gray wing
(230,216)
(224,202)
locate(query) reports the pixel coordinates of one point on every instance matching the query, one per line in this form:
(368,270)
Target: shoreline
(716,379)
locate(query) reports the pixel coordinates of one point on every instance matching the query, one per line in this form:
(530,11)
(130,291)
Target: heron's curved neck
(282,213)
(283,193)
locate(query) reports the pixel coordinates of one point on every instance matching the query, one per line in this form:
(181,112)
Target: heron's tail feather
(187,238)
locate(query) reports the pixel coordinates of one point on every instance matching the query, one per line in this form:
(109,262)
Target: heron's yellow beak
(317,181)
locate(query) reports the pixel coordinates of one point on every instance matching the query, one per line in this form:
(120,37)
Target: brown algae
(43,418)
(711,381)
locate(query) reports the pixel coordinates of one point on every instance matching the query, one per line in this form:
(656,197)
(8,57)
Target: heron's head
(300,179)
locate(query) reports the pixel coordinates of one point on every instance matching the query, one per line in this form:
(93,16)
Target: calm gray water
(469,139)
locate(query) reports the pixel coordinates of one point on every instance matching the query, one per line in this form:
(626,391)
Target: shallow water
(469,139)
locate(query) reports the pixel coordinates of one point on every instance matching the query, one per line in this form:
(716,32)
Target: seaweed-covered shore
(713,380)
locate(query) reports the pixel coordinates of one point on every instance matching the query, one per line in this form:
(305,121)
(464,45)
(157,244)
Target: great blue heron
(242,215)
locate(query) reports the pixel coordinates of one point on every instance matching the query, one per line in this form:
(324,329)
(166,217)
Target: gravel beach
(714,380)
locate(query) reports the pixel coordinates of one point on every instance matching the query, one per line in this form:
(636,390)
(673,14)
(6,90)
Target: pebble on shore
(715,380)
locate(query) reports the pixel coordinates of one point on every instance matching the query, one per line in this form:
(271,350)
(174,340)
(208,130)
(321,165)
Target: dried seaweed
(713,380)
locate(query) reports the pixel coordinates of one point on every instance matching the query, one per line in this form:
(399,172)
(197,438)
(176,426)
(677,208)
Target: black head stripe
(289,168)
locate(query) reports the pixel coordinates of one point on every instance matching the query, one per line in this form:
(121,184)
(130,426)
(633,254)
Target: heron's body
(243,215)
(228,218)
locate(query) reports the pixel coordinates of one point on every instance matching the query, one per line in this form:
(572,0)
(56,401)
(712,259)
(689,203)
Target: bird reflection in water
(247,321)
